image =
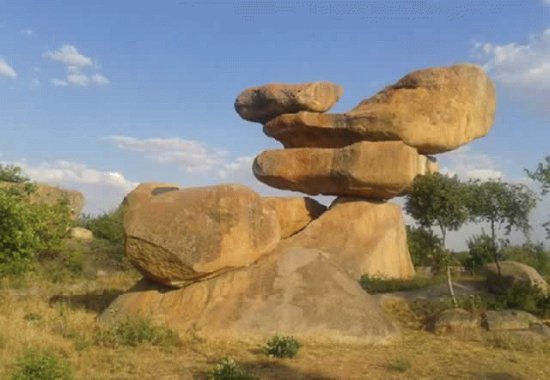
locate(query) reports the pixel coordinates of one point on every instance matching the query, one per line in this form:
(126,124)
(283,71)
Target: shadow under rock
(96,301)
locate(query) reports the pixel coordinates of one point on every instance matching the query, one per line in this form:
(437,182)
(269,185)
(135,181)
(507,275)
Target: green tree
(439,201)
(27,228)
(502,205)
(542,176)
(10,173)
(426,248)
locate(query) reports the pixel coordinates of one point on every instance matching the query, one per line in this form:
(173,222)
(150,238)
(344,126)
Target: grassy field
(60,318)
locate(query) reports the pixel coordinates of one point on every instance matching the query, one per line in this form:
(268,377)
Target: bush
(426,248)
(227,369)
(107,226)
(524,296)
(41,365)
(400,364)
(282,347)
(136,331)
(530,254)
(13,174)
(26,228)
(373,284)
(479,252)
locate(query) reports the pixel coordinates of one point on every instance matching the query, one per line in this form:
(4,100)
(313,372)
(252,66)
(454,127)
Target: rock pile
(237,264)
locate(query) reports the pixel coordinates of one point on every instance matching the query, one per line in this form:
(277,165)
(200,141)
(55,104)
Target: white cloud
(103,190)
(70,56)
(522,67)
(76,64)
(546,2)
(467,164)
(191,156)
(27,32)
(99,79)
(6,70)
(78,79)
(59,82)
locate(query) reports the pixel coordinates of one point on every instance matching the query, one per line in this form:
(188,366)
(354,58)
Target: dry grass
(61,319)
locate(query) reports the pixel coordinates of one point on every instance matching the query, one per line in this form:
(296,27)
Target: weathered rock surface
(377,170)
(512,272)
(145,191)
(178,236)
(263,103)
(456,321)
(294,213)
(434,110)
(297,292)
(79,233)
(362,237)
(51,195)
(508,320)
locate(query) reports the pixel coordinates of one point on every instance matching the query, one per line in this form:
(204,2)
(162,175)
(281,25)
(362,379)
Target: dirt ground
(61,319)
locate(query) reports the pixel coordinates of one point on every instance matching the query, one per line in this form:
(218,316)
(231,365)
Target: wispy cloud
(521,67)
(191,156)
(468,164)
(78,68)
(27,32)
(6,70)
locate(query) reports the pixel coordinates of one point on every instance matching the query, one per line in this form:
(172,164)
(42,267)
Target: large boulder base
(363,237)
(297,292)
(375,170)
(512,272)
(294,213)
(263,103)
(434,110)
(179,236)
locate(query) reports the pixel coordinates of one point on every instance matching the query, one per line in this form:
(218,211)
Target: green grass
(37,364)
(134,332)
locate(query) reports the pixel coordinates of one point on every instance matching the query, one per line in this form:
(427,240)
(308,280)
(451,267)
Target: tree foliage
(426,248)
(10,173)
(502,205)
(542,176)
(27,228)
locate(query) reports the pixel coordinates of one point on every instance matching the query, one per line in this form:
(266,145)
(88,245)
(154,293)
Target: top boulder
(434,110)
(263,103)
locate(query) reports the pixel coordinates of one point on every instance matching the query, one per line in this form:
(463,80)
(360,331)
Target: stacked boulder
(225,262)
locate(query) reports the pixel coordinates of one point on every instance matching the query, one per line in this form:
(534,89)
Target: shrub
(107,226)
(41,365)
(227,369)
(136,331)
(13,174)
(530,254)
(524,296)
(373,284)
(27,229)
(480,251)
(426,248)
(282,347)
(400,364)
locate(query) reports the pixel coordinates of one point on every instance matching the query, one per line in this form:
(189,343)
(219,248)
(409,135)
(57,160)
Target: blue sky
(101,95)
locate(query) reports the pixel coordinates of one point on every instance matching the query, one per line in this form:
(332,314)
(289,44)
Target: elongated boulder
(265,102)
(294,213)
(297,292)
(176,237)
(434,110)
(363,237)
(377,170)
(513,273)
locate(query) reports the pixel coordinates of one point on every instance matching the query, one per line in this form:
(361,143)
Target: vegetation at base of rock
(400,364)
(373,284)
(282,347)
(37,364)
(527,297)
(136,331)
(27,229)
(228,369)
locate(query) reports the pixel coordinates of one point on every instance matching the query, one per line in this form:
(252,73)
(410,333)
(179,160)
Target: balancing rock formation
(225,262)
